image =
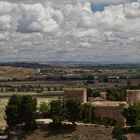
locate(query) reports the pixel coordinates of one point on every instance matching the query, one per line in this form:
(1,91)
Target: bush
(118,133)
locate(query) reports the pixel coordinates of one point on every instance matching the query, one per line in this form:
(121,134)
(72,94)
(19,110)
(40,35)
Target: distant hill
(25,65)
(68,64)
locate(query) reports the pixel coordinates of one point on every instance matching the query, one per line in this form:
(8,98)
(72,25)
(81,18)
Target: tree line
(22,110)
(27,88)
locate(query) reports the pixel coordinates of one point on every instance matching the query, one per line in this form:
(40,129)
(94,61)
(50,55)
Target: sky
(98,31)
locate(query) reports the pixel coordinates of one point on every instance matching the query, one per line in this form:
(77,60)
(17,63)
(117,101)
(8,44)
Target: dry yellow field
(3,103)
(8,72)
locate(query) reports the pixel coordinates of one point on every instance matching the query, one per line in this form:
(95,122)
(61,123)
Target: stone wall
(113,112)
(75,93)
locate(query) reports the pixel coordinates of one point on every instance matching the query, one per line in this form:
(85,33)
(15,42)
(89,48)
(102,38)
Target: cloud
(70,30)
(36,18)
(112,1)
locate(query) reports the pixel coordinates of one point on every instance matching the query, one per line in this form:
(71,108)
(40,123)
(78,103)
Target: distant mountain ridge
(66,64)
(24,64)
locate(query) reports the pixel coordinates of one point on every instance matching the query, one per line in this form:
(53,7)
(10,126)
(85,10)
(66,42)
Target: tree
(56,111)
(21,110)
(28,110)
(88,113)
(12,112)
(93,93)
(73,108)
(116,94)
(55,88)
(44,109)
(89,92)
(132,114)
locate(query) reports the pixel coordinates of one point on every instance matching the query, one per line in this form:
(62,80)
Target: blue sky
(97,6)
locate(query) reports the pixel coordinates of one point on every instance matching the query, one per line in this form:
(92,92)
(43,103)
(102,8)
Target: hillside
(67,133)
(8,72)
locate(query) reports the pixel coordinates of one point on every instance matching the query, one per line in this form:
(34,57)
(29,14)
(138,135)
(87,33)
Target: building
(75,93)
(102,107)
(133,96)
(110,109)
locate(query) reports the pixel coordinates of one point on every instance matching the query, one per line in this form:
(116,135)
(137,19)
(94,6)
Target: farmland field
(3,103)
(8,73)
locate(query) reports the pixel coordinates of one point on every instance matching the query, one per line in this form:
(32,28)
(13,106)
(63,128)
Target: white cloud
(132,11)
(36,18)
(59,30)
